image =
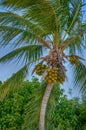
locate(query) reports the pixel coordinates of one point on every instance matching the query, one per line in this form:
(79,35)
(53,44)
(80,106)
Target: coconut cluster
(40,69)
(54,76)
(74,60)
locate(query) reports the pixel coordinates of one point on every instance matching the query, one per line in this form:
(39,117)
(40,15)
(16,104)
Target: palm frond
(76,42)
(80,77)
(14,82)
(74,17)
(75,14)
(26,53)
(36,12)
(19,21)
(14,19)
(15,35)
(16,28)
(59,18)
(20,4)
(49,21)
(43,42)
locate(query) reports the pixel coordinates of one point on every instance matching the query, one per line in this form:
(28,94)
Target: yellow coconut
(50,76)
(54,81)
(49,81)
(48,69)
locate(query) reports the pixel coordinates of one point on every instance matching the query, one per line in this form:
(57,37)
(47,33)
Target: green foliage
(12,108)
(66,114)
(32,108)
(20,110)
(0,83)
(13,83)
(80,77)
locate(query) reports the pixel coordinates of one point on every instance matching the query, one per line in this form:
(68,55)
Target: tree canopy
(62,113)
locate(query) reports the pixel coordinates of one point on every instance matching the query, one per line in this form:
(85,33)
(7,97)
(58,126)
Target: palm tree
(32,28)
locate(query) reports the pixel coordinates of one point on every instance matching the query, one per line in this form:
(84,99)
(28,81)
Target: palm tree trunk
(44,105)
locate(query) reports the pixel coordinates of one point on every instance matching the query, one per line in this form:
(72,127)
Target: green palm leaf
(74,14)
(75,43)
(26,53)
(80,78)
(18,21)
(36,11)
(15,27)
(19,4)
(14,82)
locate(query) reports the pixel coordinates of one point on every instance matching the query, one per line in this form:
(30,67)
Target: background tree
(20,110)
(54,25)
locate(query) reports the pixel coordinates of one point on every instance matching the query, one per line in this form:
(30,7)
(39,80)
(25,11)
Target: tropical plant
(31,27)
(12,107)
(61,114)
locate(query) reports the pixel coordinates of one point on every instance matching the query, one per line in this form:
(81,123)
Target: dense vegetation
(62,113)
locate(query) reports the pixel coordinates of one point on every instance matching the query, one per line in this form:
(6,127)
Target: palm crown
(34,26)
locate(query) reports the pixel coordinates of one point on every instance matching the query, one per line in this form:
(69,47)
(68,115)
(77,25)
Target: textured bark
(44,105)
